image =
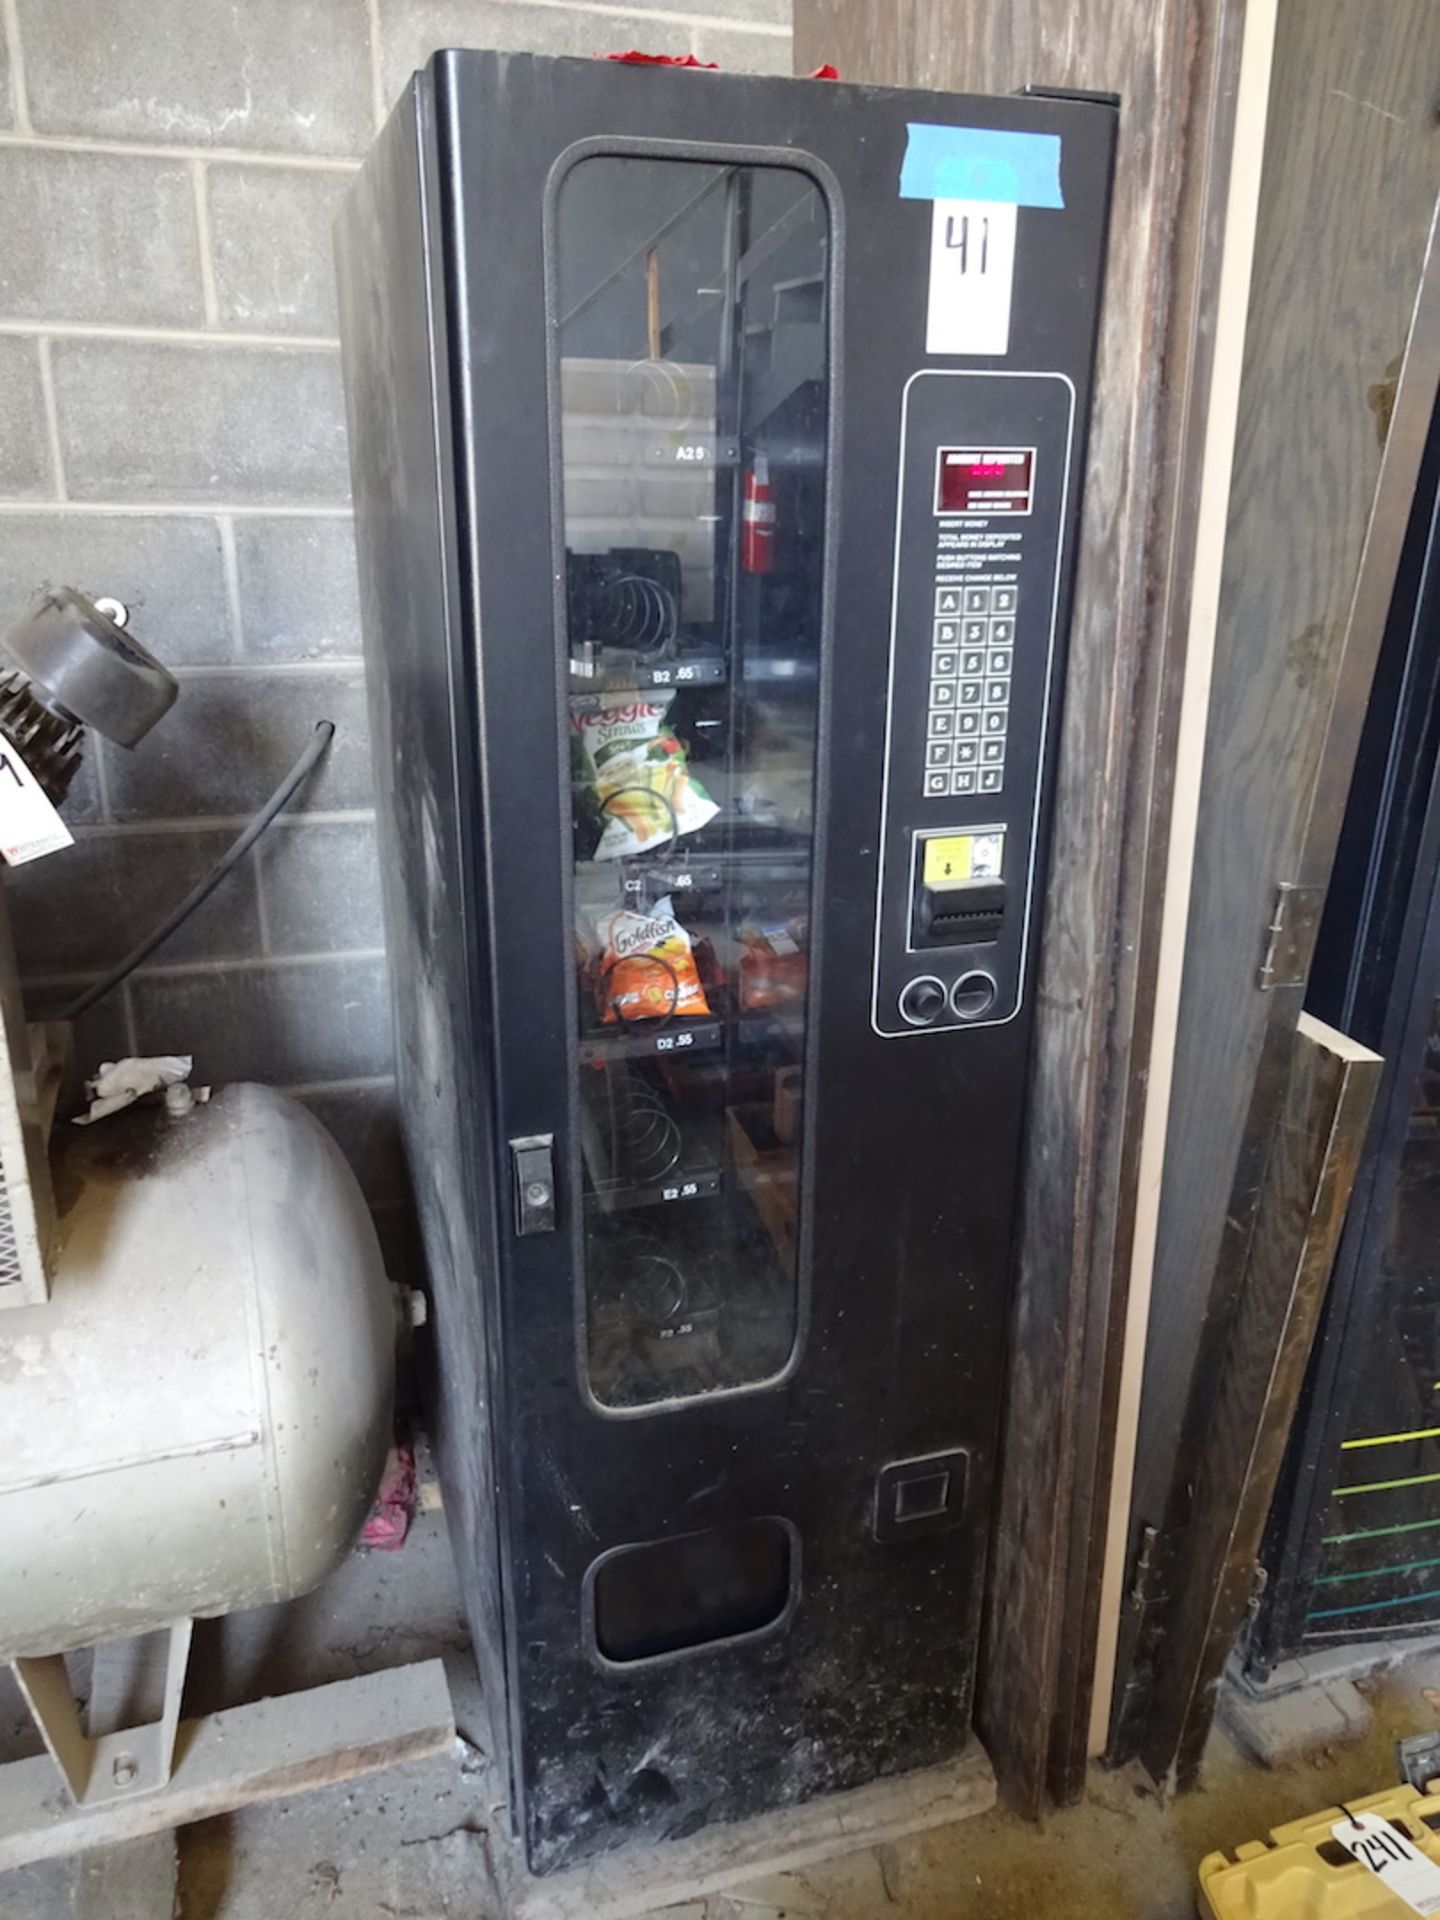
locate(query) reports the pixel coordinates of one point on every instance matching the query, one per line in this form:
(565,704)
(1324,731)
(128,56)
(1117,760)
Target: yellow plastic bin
(1303,1873)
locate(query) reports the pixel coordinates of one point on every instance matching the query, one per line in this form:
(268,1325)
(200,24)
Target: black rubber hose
(319,740)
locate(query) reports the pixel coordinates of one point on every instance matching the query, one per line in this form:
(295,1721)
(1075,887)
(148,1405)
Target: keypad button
(967,722)
(941,726)
(1002,633)
(1002,599)
(995,718)
(967,752)
(944,665)
(947,633)
(976,633)
(969,693)
(977,599)
(992,752)
(937,753)
(990,779)
(973,662)
(942,693)
(997,692)
(962,783)
(1000,658)
(947,600)
(937,782)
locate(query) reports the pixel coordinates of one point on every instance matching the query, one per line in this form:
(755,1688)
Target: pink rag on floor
(394,1507)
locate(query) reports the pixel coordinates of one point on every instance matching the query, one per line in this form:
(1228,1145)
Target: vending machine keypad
(983,484)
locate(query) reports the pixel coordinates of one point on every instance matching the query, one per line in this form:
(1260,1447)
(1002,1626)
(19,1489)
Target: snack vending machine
(717,447)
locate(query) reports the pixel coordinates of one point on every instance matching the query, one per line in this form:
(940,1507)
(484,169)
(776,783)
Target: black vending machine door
(717,633)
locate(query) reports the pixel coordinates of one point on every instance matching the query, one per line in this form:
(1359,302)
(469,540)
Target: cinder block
(166,568)
(739,52)
(1281,1730)
(291,1023)
(128,882)
(299,597)
(230,739)
(283,75)
(411,30)
(321,884)
(25,470)
(366,1126)
(270,245)
(97,236)
(143,421)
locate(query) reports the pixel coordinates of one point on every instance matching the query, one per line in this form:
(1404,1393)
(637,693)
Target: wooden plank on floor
(640,1879)
(1301,1213)
(228,1760)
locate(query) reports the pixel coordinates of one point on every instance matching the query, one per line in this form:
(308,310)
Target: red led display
(984,479)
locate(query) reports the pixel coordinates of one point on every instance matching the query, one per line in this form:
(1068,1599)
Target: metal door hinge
(1290,936)
(1259,1581)
(1142,1574)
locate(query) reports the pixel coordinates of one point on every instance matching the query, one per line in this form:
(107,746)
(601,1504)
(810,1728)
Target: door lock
(532,1163)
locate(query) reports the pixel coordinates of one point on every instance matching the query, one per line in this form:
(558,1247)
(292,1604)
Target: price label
(29,825)
(1392,1857)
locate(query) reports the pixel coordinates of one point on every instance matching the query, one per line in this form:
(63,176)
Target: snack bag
(647,968)
(773,966)
(636,773)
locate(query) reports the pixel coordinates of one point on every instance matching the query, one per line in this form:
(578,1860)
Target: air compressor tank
(197,1419)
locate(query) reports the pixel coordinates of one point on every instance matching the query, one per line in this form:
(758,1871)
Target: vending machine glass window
(693,394)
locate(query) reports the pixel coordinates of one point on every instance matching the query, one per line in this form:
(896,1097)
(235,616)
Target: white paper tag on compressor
(1392,1857)
(29,825)
(972,276)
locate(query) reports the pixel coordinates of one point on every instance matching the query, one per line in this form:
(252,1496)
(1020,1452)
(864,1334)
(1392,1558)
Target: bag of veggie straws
(636,773)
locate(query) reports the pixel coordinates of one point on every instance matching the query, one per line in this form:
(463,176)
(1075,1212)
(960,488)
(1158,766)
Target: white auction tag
(1392,1857)
(29,825)
(972,276)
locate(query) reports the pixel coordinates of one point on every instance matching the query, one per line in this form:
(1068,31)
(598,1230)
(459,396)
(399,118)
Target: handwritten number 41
(964,233)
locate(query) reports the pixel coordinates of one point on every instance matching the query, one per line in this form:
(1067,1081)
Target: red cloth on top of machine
(635,58)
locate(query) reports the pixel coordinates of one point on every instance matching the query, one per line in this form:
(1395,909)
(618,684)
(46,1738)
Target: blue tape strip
(981,163)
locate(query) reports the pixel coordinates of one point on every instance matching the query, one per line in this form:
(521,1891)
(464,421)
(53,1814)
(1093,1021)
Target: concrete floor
(412,1844)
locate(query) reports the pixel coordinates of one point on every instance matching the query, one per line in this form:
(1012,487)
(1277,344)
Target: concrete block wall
(173,434)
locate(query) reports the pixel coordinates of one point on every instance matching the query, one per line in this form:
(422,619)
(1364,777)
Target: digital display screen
(984,479)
